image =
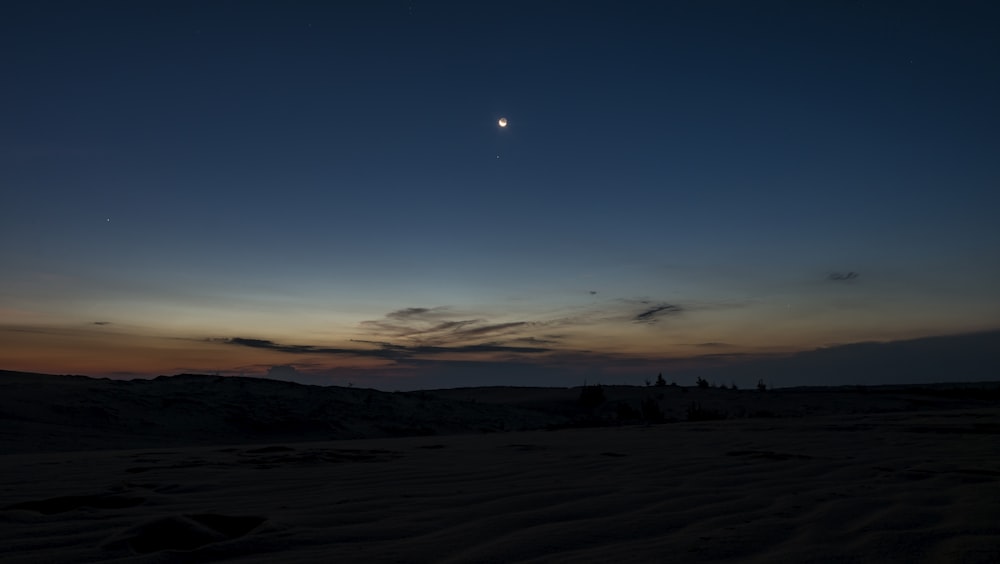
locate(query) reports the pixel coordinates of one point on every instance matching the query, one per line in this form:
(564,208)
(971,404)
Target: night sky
(322,192)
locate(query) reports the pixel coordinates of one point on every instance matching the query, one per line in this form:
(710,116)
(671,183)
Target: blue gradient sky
(322,190)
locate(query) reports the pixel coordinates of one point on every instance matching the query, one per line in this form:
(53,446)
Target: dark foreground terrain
(204,469)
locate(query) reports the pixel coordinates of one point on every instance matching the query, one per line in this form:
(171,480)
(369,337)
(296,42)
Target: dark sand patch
(183,532)
(63,504)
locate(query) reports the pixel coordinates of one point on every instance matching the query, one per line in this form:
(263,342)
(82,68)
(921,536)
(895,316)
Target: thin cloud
(842,276)
(489,330)
(433,327)
(481,348)
(295,349)
(550,340)
(102,323)
(383,350)
(417,322)
(451,327)
(653,314)
(418,313)
(382,344)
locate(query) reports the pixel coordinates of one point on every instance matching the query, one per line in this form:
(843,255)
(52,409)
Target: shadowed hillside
(43,412)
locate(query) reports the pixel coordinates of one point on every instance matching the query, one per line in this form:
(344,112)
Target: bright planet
(502,122)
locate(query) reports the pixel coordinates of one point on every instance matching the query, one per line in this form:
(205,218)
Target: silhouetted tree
(702,383)
(761,386)
(660,381)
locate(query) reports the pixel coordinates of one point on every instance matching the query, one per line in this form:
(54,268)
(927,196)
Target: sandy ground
(882,487)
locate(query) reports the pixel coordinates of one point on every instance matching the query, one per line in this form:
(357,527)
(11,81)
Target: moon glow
(502,122)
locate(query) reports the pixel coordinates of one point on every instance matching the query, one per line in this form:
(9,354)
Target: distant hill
(45,412)
(971,357)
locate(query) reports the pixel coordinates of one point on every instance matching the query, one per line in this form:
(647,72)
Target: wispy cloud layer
(407,334)
(440,326)
(423,332)
(382,350)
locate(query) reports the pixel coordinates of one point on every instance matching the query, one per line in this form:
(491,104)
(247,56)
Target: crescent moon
(502,122)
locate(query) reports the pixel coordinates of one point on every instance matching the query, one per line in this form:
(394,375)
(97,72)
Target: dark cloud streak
(385,350)
(653,314)
(430,326)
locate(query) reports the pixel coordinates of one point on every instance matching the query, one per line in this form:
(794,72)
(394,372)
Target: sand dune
(900,485)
